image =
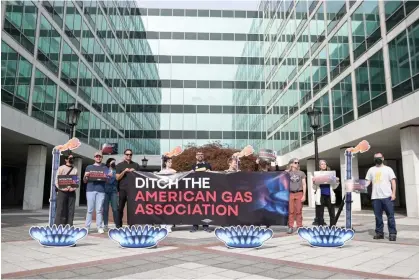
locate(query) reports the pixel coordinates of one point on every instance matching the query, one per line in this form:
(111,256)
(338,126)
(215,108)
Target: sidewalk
(185,255)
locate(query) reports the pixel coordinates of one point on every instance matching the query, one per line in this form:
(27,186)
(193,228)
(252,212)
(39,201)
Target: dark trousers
(386,205)
(196,226)
(325,201)
(66,204)
(123,197)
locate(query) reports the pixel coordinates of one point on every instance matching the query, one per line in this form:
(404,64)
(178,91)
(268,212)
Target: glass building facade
(59,53)
(151,78)
(333,55)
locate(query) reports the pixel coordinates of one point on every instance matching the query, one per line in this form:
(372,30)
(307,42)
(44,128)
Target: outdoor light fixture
(145,162)
(314,117)
(72,118)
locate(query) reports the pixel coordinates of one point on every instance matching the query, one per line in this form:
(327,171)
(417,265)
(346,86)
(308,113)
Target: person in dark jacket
(201,166)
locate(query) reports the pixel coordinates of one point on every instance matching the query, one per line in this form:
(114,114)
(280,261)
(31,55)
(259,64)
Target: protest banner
(242,198)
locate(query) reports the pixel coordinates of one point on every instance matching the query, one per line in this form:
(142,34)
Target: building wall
(348,58)
(58,53)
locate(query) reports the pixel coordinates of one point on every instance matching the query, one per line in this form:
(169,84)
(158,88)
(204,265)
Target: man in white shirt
(383,195)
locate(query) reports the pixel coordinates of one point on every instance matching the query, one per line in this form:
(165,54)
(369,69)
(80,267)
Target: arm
(119,176)
(112,178)
(86,175)
(393,184)
(59,171)
(368,178)
(304,189)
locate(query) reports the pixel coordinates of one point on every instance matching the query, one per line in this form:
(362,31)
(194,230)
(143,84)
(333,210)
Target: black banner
(242,198)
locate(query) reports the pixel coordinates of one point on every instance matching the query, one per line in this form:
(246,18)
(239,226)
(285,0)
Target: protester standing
(325,196)
(122,169)
(95,192)
(297,197)
(111,194)
(200,165)
(383,195)
(66,197)
(232,165)
(167,169)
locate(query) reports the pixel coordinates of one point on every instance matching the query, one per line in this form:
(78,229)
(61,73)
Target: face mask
(71,161)
(113,164)
(378,161)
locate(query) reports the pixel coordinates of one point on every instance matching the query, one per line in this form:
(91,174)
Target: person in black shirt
(121,170)
(200,166)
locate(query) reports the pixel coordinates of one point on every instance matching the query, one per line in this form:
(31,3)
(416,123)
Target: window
(342,103)
(43,100)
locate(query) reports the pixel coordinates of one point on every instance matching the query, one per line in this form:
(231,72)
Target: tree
(215,154)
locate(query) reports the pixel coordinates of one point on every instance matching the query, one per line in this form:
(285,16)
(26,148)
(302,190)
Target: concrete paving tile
(299,276)
(171,262)
(318,274)
(232,274)
(245,262)
(61,275)
(227,265)
(266,265)
(190,258)
(275,274)
(290,269)
(137,262)
(214,276)
(209,261)
(255,277)
(211,270)
(249,269)
(9,268)
(343,276)
(115,266)
(190,265)
(89,270)
(157,259)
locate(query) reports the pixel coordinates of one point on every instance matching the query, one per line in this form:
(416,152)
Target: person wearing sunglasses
(95,176)
(122,169)
(298,187)
(111,194)
(66,197)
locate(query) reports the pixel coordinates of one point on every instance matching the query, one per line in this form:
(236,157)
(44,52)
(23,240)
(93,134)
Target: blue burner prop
(57,236)
(138,237)
(326,236)
(243,237)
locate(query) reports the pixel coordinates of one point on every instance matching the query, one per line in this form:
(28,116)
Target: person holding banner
(111,194)
(200,165)
(66,196)
(122,169)
(167,169)
(232,165)
(325,196)
(95,176)
(298,186)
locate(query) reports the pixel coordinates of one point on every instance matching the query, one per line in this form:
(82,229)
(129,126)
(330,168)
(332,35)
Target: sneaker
(207,229)
(378,236)
(194,229)
(101,231)
(105,228)
(392,237)
(290,230)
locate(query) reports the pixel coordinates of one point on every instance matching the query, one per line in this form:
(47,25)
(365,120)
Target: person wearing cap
(95,190)
(66,197)
(298,186)
(325,196)
(200,166)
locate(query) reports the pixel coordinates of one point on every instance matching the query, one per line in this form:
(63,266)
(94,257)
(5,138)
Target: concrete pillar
(409,139)
(311,167)
(356,197)
(35,177)
(78,164)
(393,164)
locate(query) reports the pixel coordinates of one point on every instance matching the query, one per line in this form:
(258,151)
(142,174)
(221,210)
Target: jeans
(295,209)
(112,198)
(66,203)
(325,201)
(386,205)
(95,200)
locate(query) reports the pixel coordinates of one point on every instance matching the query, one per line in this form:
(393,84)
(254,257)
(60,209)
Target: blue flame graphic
(139,237)
(243,237)
(57,236)
(326,236)
(273,195)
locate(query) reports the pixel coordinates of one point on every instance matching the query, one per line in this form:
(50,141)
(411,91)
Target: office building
(357,62)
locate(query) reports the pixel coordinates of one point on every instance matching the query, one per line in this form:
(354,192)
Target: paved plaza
(185,255)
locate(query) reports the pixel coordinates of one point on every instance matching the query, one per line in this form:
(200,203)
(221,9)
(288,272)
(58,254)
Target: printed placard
(67,181)
(325,177)
(97,173)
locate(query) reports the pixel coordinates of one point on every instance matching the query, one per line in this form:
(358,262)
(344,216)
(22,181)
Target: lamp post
(144,162)
(72,118)
(314,115)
